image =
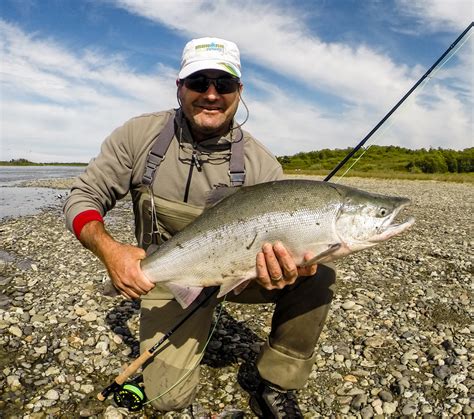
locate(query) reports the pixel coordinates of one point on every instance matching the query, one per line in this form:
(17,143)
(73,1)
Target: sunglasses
(223,85)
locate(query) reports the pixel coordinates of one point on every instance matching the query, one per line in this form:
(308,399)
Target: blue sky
(317,73)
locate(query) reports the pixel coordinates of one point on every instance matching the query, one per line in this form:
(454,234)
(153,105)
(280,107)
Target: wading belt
(163,140)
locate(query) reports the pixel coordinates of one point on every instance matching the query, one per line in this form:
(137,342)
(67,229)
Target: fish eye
(383,212)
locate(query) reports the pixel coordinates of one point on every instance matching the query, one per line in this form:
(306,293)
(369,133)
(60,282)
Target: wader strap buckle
(152,163)
(237,161)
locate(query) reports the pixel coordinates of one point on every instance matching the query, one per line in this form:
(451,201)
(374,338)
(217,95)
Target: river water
(16,201)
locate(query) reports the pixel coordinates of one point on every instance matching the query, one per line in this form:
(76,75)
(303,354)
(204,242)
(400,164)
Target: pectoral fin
(323,255)
(237,284)
(241,287)
(184,295)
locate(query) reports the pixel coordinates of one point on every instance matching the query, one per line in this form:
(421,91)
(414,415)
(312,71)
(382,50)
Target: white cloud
(58,105)
(440,14)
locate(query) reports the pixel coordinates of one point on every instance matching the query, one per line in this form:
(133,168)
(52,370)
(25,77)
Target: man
(204,149)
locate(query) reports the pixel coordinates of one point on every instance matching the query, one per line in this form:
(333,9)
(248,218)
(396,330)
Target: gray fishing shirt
(181,178)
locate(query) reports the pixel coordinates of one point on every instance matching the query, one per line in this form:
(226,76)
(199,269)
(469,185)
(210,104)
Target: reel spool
(131,396)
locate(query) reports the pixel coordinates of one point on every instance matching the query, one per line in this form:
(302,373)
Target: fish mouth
(388,229)
(392,230)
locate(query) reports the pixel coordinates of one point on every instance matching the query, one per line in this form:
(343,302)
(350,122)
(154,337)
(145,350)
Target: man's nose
(211,90)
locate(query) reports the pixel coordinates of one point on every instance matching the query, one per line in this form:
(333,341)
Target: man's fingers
(274,269)
(134,290)
(262,273)
(133,284)
(309,270)
(286,263)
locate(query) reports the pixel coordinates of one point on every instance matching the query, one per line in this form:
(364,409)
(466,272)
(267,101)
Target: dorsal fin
(218,194)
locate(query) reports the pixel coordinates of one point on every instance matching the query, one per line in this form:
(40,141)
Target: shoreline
(398,339)
(27,198)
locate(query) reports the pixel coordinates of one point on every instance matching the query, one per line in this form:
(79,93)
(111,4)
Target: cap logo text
(210,47)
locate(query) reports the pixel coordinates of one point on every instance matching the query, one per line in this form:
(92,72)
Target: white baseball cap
(210,54)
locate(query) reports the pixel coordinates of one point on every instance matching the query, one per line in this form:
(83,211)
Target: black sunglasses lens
(226,85)
(201,84)
(198,84)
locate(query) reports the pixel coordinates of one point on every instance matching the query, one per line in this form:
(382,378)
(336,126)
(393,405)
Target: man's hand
(276,268)
(121,260)
(123,264)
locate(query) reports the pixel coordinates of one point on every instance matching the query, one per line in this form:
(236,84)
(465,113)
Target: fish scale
(219,247)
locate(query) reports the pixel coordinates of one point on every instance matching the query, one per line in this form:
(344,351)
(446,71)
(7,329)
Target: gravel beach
(398,340)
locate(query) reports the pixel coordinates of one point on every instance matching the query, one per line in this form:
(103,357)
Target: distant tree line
(376,159)
(386,158)
(25,162)
(20,162)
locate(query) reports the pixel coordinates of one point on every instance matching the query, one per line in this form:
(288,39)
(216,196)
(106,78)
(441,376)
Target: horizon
(317,74)
(24,161)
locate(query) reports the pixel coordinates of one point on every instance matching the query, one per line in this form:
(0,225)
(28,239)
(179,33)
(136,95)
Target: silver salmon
(220,246)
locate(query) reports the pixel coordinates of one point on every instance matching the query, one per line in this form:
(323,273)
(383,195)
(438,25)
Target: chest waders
(157,218)
(130,394)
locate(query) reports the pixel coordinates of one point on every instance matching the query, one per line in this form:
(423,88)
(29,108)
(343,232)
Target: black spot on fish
(252,242)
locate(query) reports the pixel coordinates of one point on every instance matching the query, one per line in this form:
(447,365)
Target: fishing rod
(382,121)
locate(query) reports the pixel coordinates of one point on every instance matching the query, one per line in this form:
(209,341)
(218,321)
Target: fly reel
(130,395)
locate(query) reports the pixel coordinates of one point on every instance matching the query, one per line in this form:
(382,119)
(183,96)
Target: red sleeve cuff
(83,218)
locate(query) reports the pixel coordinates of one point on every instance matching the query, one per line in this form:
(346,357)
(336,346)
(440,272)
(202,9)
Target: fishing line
(408,103)
(440,62)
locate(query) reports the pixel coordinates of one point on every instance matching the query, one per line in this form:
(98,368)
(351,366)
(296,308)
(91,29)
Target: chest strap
(157,153)
(163,140)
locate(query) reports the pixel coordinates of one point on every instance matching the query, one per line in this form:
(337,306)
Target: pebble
(359,401)
(456,409)
(348,305)
(15,331)
(409,409)
(13,381)
(389,408)
(41,350)
(386,396)
(397,341)
(52,395)
(367,412)
(327,349)
(113,413)
(87,388)
(468,410)
(90,317)
(442,371)
(374,342)
(80,311)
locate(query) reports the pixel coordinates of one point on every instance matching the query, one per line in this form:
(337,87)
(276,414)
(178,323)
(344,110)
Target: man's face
(209,113)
